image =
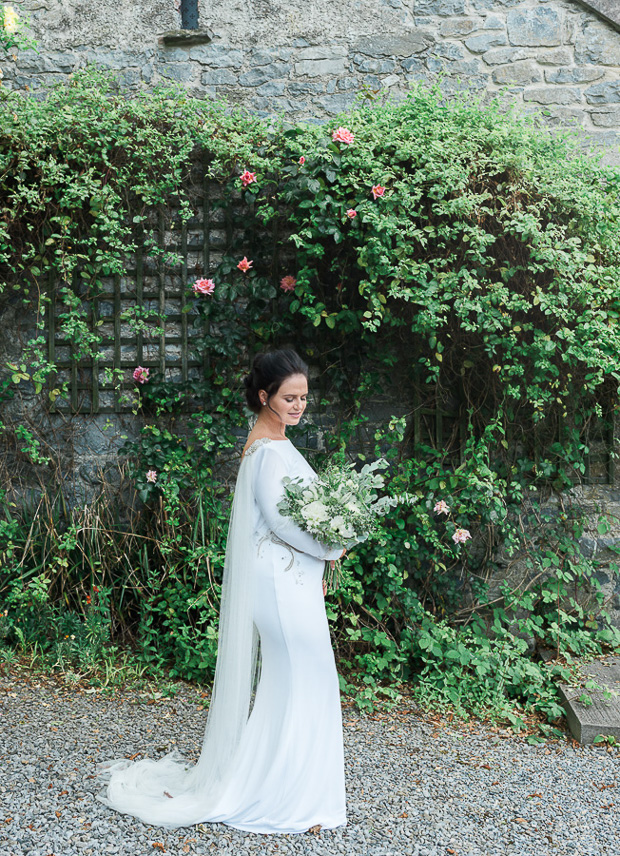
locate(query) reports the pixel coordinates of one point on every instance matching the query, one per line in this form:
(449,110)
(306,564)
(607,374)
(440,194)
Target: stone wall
(561,56)
(310,61)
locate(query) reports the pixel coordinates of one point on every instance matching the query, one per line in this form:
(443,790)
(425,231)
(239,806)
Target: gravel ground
(415,786)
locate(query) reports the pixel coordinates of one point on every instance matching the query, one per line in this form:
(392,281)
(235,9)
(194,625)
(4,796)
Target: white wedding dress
(272,760)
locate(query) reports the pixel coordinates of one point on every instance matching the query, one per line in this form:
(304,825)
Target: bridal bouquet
(340,506)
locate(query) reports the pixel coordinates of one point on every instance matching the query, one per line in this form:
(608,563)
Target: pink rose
(247,178)
(441,507)
(302,160)
(351,213)
(377,191)
(460,536)
(151,476)
(343,135)
(288,283)
(140,374)
(203,286)
(244,264)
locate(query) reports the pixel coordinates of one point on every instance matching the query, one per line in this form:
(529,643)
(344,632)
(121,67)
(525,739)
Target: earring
(264,403)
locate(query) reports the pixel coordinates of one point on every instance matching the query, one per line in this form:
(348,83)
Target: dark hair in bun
(268,372)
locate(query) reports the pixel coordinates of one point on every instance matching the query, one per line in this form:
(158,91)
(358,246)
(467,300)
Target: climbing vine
(428,257)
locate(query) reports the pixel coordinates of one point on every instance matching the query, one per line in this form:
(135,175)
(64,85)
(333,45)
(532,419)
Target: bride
(272,756)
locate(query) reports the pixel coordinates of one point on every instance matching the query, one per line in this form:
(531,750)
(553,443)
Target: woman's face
(289,402)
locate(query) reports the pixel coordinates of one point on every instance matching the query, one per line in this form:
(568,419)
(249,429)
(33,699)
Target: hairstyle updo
(268,372)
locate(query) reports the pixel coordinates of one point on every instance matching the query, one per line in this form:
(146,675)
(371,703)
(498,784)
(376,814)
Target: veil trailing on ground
(170,791)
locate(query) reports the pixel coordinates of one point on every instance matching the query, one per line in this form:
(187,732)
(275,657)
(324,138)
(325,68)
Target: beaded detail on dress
(271,536)
(256,445)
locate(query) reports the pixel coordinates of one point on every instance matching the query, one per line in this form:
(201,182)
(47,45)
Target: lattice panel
(155,284)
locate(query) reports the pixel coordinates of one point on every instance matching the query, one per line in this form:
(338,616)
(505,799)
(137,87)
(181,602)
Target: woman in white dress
(272,757)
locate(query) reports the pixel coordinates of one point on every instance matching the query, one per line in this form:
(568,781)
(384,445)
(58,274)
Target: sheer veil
(170,791)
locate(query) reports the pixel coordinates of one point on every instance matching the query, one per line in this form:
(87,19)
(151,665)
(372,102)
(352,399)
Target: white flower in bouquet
(341,529)
(315,511)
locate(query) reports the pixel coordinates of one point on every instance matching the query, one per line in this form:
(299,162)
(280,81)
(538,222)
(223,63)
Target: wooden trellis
(156,289)
(156,285)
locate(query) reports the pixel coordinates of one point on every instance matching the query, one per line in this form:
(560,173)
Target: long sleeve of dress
(268,489)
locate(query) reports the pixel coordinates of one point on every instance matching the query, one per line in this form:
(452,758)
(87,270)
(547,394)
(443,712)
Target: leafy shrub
(438,254)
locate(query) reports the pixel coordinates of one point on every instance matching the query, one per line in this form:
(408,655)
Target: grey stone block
(602,716)
(374,66)
(486,41)
(371,81)
(113,58)
(272,87)
(583,74)
(391,80)
(130,76)
(500,56)
(587,547)
(570,116)
(222,57)
(182,72)
(262,106)
(607,118)
(299,88)
(517,74)
(322,52)
(493,22)
(219,77)
(609,140)
(597,44)
(458,84)
(463,68)
(607,547)
(604,93)
(458,27)
(440,7)
(414,64)
(54,61)
(536,27)
(319,67)
(406,44)
(491,5)
(166,54)
(552,95)
(307,110)
(185,38)
(265,56)
(449,50)
(554,56)
(449,57)
(258,76)
(334,104)
(348,83)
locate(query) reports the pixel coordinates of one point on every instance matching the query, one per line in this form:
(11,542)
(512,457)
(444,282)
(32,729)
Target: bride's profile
(272,755)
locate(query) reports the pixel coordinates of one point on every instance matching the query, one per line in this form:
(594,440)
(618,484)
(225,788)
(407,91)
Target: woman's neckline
(261,440)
